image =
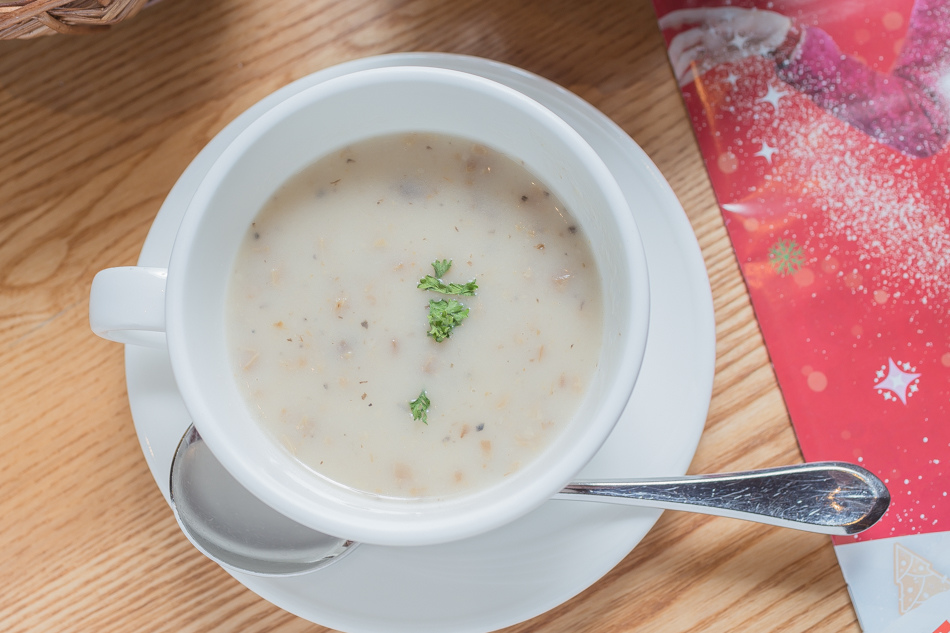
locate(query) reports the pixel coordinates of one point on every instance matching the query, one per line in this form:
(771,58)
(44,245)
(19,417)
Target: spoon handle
(824,497)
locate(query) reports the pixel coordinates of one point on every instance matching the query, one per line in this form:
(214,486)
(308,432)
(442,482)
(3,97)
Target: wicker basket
(32,18)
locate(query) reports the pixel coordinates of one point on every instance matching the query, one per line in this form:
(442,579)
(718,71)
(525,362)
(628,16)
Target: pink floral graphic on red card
(825,128)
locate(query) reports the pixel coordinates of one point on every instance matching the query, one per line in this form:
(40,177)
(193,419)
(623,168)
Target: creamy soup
(330,335)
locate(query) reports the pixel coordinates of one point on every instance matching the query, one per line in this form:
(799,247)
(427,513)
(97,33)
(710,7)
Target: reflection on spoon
(238,531)
(234,528)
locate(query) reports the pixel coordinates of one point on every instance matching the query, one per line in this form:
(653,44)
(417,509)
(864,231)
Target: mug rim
(375,528)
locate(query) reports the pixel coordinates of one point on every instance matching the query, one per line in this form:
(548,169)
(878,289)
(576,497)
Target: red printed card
(825,129)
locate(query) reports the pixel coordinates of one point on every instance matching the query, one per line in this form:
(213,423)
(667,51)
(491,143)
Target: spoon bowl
(234,528)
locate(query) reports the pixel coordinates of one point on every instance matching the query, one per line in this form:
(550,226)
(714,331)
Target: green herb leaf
(431,283)
(441,267)
(420,407)
(444,316)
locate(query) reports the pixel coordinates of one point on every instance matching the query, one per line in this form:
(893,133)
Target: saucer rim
(277,591)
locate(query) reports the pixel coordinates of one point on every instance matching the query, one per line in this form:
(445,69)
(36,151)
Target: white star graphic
(772,96)
(738,41)
(897,381)
(766,151)
(732,79)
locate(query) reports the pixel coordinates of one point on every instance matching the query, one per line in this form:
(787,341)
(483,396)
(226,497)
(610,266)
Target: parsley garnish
(444,315)
(435,283)
(420,407)
(441,267)
(431,283)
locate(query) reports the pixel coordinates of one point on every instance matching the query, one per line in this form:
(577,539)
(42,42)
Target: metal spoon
(233,528)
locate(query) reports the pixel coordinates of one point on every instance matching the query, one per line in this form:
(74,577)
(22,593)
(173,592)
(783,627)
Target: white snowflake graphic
(897,381)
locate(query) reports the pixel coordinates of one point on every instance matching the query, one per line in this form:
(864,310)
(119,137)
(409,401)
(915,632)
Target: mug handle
(127,305)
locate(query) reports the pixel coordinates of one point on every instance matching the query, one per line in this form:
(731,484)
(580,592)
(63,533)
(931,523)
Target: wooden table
(94,131)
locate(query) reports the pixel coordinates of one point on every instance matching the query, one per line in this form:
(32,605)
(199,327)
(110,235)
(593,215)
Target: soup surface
(330,336)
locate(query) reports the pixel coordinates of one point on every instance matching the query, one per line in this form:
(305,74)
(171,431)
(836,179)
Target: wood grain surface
(94,131)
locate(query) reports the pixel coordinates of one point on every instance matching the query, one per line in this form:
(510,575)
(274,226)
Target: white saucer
(538,562)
